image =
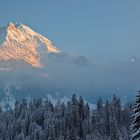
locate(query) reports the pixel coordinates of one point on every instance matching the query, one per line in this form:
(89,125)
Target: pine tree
(41,120)
(113,125)
(117,109)
(75,113)
(107,120)
(100,117)
(136,119)
(81,108)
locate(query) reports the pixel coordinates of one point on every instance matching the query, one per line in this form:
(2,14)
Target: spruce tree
(136,119)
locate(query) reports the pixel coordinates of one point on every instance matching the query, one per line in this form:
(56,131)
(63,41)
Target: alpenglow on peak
(20,43)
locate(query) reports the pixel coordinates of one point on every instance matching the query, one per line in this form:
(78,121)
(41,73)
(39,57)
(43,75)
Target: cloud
(5,69)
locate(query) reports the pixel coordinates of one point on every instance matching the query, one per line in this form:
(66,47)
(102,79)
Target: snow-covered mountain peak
(19,42)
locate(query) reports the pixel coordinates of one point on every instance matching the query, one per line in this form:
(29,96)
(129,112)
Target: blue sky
(104,30)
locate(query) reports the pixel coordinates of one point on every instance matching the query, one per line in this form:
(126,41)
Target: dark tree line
(41,120)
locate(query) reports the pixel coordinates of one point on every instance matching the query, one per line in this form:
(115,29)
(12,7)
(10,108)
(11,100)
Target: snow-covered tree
(136,119)
(41,120)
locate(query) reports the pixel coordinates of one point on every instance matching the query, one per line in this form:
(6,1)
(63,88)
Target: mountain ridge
(20,43)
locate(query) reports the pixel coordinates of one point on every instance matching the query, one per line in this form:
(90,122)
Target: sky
(104,30)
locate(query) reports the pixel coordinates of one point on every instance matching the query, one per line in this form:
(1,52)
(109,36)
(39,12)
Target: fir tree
(41,120)
(136,119)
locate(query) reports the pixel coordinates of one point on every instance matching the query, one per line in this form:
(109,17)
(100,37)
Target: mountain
(20,43)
